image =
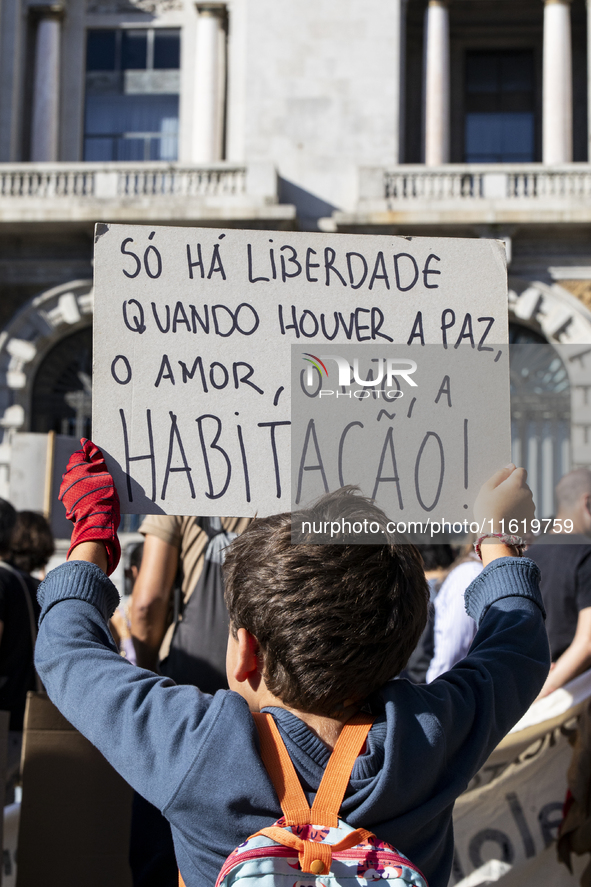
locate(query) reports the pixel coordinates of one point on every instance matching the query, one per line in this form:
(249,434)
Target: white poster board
(193,332)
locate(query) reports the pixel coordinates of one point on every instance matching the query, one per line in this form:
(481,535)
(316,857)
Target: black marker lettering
(380,479)
(359,327)
(164,365)
(175,434)
(213,446)
(417,330)
(139,325)
(310,433)
(252,279)
(308,335)
(444,388)
(466,332)
(153,273)
(197,264)
(157,319)
(216,266)
(446,326)
(404,289)
(336,326)
(329,257)
(427,271)
(180,316)
(189,373)
(481,345)
(380,263)
(129,459)
(244,379)
(127,367)
(360,282)
(128,252)
(441,470)
(377,321)
(311,252)
(346,430)
(272,426)
(195,318)
(293,259)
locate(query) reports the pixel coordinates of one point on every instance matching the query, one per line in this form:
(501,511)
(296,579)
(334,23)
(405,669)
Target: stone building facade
(435,117)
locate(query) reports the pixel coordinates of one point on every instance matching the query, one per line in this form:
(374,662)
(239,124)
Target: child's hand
(91,502)
(505,496)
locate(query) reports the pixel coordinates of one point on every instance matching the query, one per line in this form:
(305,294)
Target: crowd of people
(316,634)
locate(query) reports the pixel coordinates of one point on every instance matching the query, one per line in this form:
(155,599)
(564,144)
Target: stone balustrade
(472,193)
(47,192)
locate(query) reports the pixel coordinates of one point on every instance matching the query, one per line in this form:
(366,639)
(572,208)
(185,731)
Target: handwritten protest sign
(193,335)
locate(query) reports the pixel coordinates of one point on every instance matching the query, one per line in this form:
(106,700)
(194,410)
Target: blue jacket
(196,756)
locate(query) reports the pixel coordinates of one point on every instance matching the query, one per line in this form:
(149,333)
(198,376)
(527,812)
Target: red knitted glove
(91,501)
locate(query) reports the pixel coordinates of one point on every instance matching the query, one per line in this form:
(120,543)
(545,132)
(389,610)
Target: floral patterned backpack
(313,847)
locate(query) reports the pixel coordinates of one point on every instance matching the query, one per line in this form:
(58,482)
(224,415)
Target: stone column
(589,81)
(399,11)
(209,84)
(436,67)
(557,125)
(46,86)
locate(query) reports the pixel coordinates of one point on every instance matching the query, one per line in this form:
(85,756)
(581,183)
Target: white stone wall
(314,88)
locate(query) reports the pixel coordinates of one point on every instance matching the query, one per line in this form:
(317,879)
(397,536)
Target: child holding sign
(317,633)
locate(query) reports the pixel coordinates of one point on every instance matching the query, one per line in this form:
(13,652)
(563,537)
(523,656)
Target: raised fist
(91,501)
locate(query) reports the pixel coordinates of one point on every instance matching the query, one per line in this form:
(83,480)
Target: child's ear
(247,663)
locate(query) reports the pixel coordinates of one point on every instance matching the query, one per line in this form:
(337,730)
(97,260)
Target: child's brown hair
(334,621)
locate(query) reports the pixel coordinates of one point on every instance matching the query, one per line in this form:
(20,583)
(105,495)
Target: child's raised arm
(503,498)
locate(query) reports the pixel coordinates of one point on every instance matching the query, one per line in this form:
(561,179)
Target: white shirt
(454,629)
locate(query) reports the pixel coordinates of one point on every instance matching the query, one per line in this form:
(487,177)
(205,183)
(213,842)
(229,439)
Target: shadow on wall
(309,207)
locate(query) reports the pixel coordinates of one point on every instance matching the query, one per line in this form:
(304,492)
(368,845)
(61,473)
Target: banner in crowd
(507,821)
(192,351)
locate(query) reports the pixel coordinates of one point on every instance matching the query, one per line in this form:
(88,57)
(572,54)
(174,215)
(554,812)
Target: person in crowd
(453,629)
(316,634)
(437,560)
(564,559)
(25,545)
(120,623)
(179,620)
(32,543)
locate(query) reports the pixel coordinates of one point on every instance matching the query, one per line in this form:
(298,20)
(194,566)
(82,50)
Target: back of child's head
(334,622)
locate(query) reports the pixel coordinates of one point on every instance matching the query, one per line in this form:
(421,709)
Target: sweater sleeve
(473,706)
(148,728)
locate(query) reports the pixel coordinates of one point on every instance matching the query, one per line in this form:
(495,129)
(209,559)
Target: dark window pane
(482,72)
(167,48)
(499,138)
(100,50)
(134,50)
(99,149)
(517,73)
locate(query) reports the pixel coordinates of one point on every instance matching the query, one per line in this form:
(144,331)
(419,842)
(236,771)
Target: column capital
(211,9)
(48,10)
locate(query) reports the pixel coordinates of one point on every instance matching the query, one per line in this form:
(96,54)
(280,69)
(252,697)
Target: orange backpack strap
(328,800)
(294,805)
(331,791)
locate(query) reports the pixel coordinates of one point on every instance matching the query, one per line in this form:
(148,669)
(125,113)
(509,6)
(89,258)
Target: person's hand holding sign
(92,504)
(503,499)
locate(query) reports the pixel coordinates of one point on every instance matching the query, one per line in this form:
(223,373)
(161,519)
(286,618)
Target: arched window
(62,388)
(540,414)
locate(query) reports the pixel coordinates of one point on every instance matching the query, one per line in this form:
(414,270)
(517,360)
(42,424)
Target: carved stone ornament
(116,7)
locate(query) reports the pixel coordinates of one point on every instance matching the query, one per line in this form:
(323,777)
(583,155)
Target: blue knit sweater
(196,756)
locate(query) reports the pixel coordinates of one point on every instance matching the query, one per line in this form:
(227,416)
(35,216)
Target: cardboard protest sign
(193,335)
